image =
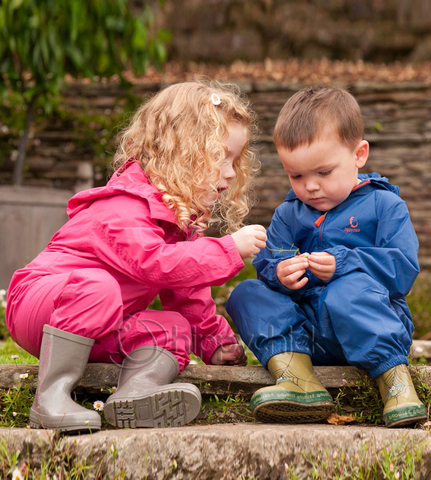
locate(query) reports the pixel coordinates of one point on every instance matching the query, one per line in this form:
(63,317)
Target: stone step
(241,451)
(210,379)
(421,349)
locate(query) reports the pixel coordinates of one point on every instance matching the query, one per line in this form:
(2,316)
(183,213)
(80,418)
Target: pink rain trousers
(88,302)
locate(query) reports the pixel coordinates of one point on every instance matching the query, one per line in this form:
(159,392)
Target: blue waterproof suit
(358,317)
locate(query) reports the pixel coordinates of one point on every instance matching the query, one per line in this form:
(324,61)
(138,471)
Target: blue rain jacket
(369,232)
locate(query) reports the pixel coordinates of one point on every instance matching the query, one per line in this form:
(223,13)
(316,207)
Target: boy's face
(323,173)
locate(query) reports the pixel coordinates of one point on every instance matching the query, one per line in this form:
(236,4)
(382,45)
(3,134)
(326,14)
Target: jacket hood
(369,181)
(128,179)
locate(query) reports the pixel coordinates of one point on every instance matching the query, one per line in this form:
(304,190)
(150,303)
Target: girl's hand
(249,240)
(322,265)
(232,354)
(290,271)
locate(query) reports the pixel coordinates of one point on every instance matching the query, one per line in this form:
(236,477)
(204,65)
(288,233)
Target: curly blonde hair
(178,138)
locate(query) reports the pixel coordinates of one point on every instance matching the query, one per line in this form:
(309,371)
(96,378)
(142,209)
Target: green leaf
(164,35)
(14,4)
(48,39)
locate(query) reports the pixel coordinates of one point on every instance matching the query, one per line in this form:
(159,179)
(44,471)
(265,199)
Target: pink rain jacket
(127,230)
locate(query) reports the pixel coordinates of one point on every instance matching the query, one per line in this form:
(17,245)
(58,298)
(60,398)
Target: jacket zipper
(191,234)
(319,222)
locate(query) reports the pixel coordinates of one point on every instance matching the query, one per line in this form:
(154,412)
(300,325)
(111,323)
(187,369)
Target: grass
(9,349)
(230,409)
(58,460)
(419,301)
(400,460)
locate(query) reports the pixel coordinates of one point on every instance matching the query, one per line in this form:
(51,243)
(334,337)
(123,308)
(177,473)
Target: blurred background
(72,71)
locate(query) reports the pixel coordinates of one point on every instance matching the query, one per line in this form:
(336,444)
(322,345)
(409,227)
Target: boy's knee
(246,294)
(351,287)
(246,289)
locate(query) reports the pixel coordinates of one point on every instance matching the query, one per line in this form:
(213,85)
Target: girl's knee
(89,304)
(94,282)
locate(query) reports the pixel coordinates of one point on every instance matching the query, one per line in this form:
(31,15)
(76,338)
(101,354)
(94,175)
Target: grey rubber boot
(146,396)
(63,357)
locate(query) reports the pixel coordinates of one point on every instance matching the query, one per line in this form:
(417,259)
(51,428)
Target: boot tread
(285,412)
(171,408)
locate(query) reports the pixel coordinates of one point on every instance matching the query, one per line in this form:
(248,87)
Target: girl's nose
(229,174)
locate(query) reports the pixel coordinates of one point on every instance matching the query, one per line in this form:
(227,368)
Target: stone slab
(238,451)
(210,379)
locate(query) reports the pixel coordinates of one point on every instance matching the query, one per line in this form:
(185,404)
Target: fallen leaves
(335,419)
(292,70)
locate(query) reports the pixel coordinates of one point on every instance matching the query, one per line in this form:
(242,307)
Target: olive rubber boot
(297,397)
(402,405)
(63,358)
(146,396)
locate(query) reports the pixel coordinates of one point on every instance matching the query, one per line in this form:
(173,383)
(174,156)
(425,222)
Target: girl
(183,163)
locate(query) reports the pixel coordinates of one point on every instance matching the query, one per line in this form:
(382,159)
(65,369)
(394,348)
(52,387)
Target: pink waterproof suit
(98,275)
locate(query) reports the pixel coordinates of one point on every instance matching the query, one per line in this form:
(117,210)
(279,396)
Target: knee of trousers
(353,289)
(89,304)
(255,309)
(356,310)
(242,302)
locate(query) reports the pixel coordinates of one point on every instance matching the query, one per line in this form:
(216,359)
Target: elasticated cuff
(210,345)
(340,259)
(277,350)
(384,367)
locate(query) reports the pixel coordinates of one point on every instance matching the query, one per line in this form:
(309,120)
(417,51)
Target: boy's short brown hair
(307,114)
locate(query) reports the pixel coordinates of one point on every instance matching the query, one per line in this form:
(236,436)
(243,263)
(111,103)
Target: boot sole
(169,408)
(406,416)
(39,421)
(406,421)
(290,412)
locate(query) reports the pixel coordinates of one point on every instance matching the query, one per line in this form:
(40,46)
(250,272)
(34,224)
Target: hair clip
(215,99)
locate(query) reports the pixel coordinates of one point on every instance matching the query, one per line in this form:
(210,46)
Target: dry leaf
(335,419)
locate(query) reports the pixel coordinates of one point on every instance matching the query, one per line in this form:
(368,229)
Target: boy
(341,301)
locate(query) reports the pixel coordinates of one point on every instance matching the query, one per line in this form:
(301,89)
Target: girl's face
(234,143)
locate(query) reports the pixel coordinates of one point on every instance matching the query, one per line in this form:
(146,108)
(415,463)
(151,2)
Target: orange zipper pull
(319,221)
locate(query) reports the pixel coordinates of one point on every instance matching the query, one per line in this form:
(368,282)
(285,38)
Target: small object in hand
(306,255)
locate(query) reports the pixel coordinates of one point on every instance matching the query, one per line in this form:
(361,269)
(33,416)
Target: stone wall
(225,30)
(398,127)
(397,122)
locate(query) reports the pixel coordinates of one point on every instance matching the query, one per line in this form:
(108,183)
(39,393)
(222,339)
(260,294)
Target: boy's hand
(232,354)
(322,265)
(290,271)
(249,240)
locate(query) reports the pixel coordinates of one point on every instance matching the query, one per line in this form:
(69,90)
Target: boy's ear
(361,153)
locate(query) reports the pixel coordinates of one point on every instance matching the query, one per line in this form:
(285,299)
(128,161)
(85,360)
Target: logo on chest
(353,225)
